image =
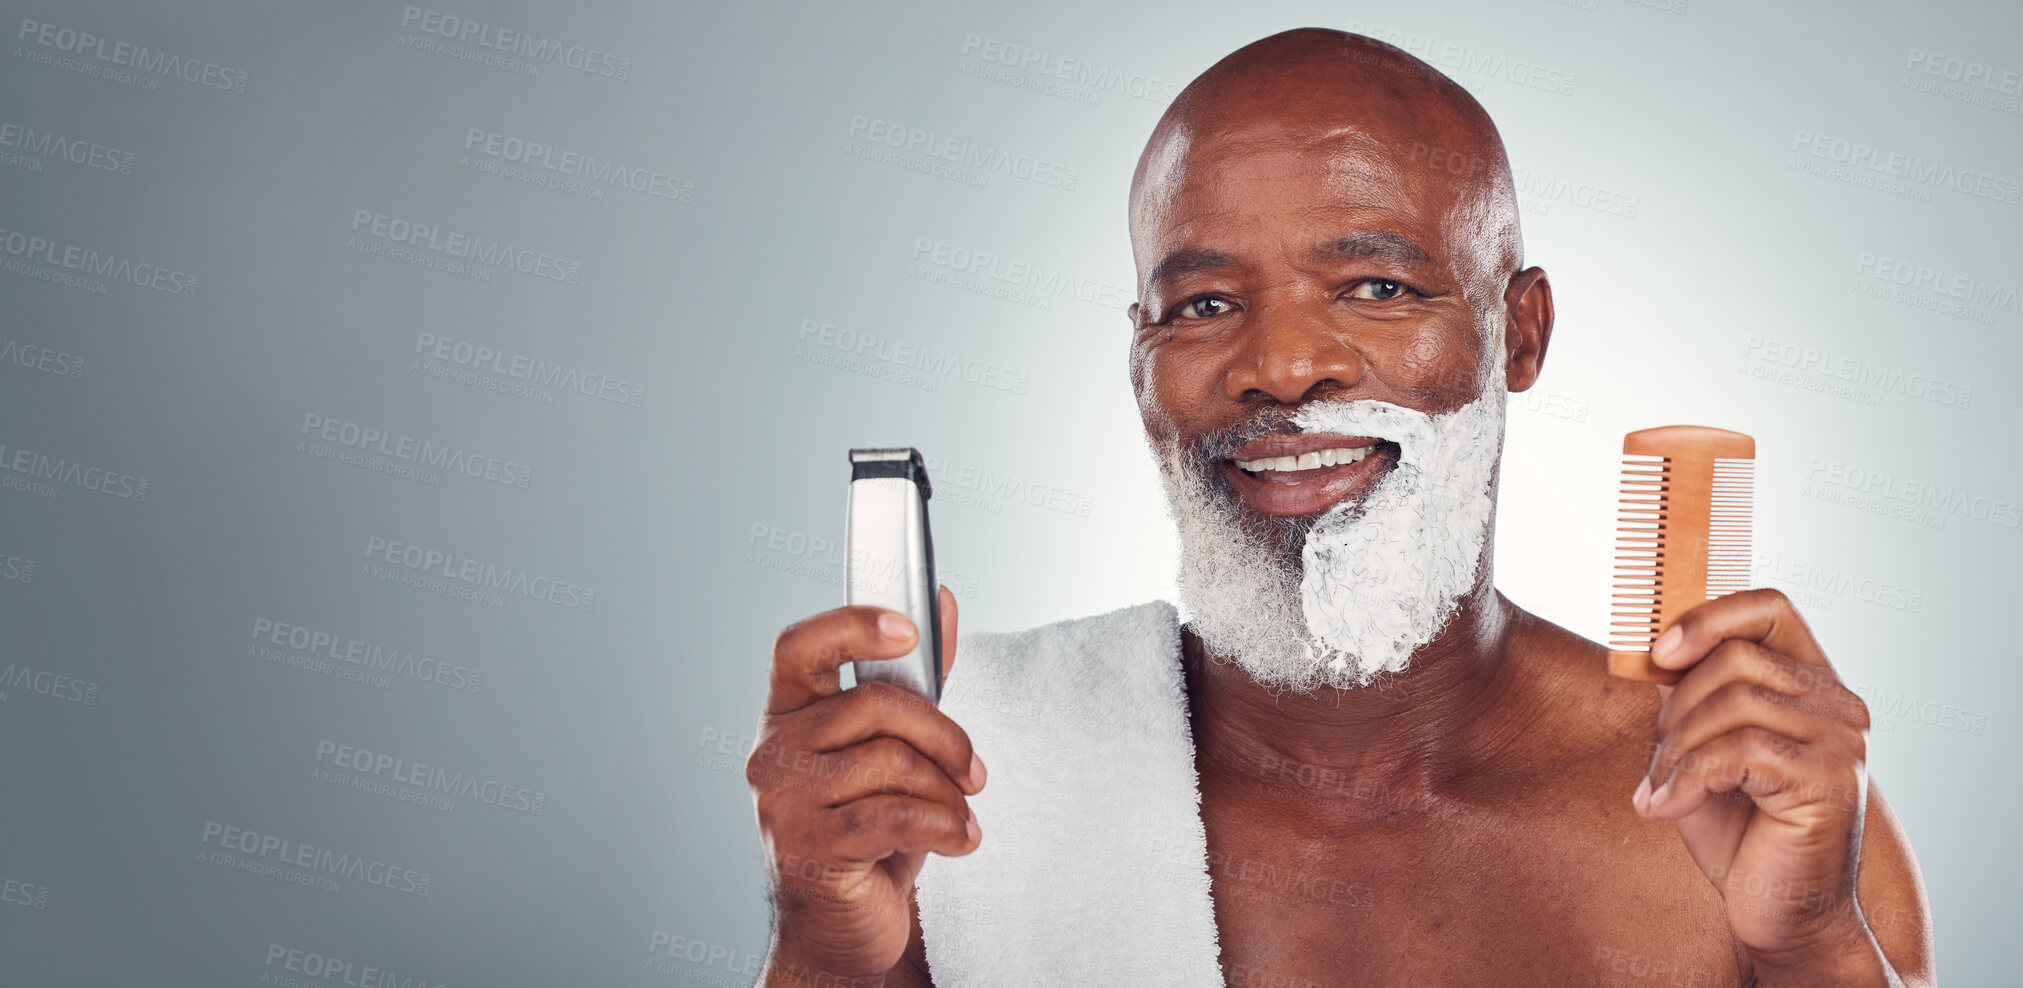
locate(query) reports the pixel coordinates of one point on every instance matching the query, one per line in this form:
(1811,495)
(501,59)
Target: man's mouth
(1289,476)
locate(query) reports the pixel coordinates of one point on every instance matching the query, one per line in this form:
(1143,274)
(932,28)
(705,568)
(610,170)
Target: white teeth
(1306,461)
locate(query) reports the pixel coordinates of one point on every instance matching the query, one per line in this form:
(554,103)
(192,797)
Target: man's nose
(1289,352)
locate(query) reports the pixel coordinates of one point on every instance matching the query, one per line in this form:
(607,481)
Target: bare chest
(1414,899)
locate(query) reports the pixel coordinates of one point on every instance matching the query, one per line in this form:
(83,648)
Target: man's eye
(1378,289)
(1202,308)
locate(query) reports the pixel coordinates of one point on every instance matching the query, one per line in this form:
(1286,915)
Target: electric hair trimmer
(889,561)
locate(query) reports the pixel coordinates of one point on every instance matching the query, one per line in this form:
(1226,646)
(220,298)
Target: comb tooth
(1730,520)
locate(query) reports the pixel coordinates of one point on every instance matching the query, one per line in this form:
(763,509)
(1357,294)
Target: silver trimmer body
(888,561)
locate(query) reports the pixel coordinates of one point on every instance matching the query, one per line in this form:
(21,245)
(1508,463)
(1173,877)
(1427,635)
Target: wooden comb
(1683,538)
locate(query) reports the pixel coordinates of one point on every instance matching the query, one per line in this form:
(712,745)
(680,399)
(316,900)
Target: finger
(1779,775)
(875,827)
(1739,660)
(1738,705)
(832,778)
(893,766)
(874,710)
(807,654)
(946,598)
(1763,615)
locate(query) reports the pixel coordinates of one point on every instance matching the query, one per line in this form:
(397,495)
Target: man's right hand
(853,788)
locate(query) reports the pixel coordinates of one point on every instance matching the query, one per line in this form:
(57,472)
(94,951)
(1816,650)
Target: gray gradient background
(691,515)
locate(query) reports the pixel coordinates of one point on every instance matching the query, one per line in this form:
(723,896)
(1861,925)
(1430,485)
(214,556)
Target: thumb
(948,618)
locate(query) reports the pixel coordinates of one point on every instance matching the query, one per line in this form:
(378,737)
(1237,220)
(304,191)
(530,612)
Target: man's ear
(1137,372)
(1527,327)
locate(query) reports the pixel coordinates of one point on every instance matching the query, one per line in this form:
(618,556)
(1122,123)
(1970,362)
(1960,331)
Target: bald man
(1357,763)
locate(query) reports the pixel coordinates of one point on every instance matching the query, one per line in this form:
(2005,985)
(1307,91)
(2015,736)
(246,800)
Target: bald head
(1393,126)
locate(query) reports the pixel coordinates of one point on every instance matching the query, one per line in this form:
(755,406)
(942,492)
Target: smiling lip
(1271,490)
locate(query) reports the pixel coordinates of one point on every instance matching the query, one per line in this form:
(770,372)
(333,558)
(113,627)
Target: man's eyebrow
(1187,259)
(1389,246)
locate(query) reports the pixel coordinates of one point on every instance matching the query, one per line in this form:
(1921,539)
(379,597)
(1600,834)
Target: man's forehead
(1306,187)
(1204,159)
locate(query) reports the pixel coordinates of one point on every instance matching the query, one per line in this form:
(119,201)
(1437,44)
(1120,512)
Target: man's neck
(1456,704)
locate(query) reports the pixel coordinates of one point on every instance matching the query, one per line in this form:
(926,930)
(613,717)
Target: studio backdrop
(417,420)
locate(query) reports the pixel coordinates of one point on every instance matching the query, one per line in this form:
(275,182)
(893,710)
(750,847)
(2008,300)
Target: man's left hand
(1761,760)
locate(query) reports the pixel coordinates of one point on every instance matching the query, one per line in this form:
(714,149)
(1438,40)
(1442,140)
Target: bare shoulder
(1892,894)
(1604,733)
(1586,717)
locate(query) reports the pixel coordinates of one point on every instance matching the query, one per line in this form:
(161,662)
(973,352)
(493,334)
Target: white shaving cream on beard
(1379,577)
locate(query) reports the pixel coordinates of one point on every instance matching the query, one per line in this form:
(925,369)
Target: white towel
(1093,867)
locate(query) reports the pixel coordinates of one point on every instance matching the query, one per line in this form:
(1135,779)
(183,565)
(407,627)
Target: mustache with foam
(1204,449)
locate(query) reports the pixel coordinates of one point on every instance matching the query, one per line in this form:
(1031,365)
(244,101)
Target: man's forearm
(782,972)
(1855,960)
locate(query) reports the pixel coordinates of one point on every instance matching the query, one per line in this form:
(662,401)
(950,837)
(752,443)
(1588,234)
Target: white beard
(1376,579)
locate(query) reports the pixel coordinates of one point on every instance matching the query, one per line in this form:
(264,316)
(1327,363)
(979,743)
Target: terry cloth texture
(1093,866)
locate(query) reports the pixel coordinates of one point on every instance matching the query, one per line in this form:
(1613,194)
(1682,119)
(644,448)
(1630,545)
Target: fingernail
(1643,797)
(975,832)
(895,626)
(976,773)
(1664,792)
(1666,644)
